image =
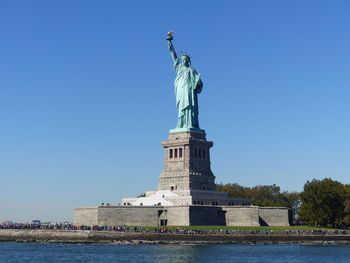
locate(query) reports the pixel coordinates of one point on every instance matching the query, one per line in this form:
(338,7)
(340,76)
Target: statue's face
(185,60)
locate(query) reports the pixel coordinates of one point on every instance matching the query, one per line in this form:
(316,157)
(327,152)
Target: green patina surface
(176,130)
(188,85)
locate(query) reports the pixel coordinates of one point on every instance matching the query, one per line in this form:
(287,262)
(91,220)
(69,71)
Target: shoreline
(112,237)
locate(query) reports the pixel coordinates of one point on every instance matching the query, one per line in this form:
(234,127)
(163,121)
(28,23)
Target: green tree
(262,195)
(267,195)
(322,202)
(234,190)
(293,202)
(346,218)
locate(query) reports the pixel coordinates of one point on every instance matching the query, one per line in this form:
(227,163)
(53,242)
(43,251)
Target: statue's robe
(187,85)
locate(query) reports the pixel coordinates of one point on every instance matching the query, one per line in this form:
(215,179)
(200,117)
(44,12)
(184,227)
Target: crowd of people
(224,231)
(37,226)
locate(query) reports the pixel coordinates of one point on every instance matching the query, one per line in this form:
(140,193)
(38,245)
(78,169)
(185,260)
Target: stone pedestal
(187,162)
(186,195)
(186,178)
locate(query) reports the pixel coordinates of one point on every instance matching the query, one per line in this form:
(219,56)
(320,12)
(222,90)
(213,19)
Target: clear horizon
(87,95)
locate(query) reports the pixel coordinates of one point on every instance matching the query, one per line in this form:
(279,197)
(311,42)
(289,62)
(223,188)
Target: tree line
(321,203)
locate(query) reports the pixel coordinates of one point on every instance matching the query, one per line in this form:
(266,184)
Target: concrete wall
(274,216)
(178,216)
(128,215)
(85,216)
(183,216)
(207,216)
(241,215)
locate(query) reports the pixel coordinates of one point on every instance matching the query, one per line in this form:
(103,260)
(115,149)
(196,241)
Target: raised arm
(172,50)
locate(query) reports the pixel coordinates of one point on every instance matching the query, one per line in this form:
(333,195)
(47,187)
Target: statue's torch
(170,36)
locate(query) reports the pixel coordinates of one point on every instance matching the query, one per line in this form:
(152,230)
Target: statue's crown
(184,54)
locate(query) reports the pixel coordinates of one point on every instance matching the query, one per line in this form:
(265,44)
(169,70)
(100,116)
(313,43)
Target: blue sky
(87,95)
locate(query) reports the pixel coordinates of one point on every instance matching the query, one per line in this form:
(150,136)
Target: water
(54,253)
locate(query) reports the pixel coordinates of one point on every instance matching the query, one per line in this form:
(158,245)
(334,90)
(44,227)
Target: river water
(52,253)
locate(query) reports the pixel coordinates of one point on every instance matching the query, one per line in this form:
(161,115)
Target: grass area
(249,228)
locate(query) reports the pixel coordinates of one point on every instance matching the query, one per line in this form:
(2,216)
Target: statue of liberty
(187,85)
